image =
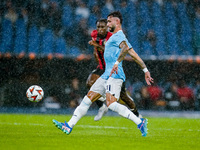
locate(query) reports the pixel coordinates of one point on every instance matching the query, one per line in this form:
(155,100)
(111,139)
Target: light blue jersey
(111,55)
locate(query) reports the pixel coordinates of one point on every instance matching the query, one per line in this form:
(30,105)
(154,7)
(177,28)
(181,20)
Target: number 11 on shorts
(108,88)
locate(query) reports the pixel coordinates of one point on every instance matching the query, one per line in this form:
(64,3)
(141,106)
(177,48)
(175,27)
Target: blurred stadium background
(45,42)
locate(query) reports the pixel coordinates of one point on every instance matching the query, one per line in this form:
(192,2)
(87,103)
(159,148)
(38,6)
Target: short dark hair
(102,20)
(116,14)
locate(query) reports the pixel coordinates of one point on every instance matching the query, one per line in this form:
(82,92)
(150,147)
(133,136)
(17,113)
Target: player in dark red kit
(99,38)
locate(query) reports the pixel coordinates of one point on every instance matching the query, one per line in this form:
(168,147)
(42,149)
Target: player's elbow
(126,49)
(132,52)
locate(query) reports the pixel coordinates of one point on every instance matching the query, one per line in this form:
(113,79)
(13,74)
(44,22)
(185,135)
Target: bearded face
(111,23)
(111,29)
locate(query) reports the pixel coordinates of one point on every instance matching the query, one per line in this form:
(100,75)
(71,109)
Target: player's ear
(117,21)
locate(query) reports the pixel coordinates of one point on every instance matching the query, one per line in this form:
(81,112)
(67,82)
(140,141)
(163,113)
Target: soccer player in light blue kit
(109,84)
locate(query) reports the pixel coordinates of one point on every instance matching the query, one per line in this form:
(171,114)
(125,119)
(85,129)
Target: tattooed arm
(137,58)
(124,50)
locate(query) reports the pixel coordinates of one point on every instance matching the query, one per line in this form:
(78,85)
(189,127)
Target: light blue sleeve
(120,38)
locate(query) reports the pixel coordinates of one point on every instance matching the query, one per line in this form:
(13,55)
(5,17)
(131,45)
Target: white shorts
(112,86)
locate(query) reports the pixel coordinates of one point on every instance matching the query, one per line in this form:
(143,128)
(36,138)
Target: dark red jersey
(99,51)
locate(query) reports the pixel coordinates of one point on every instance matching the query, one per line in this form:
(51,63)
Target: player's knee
(93,96)
(110,99)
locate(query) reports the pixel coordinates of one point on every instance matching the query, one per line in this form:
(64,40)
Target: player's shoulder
(120,34)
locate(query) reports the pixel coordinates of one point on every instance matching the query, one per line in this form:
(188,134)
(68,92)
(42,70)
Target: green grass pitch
(37,132)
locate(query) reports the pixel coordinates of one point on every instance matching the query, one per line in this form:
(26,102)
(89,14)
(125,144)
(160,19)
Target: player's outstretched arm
(95,44)
(142,65)
(124,50)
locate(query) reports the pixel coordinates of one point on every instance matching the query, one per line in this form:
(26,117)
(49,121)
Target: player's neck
(118,28)
(102,36)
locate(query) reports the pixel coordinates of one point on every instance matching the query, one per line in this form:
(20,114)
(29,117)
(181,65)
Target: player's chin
(101,34)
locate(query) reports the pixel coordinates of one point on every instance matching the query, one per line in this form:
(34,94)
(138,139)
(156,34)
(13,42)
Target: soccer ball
(35,93)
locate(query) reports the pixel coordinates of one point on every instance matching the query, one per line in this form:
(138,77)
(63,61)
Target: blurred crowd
(177,95)
(63,27)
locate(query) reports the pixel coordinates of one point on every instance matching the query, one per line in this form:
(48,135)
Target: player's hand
(114,70)
(148,78)
(93,43)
